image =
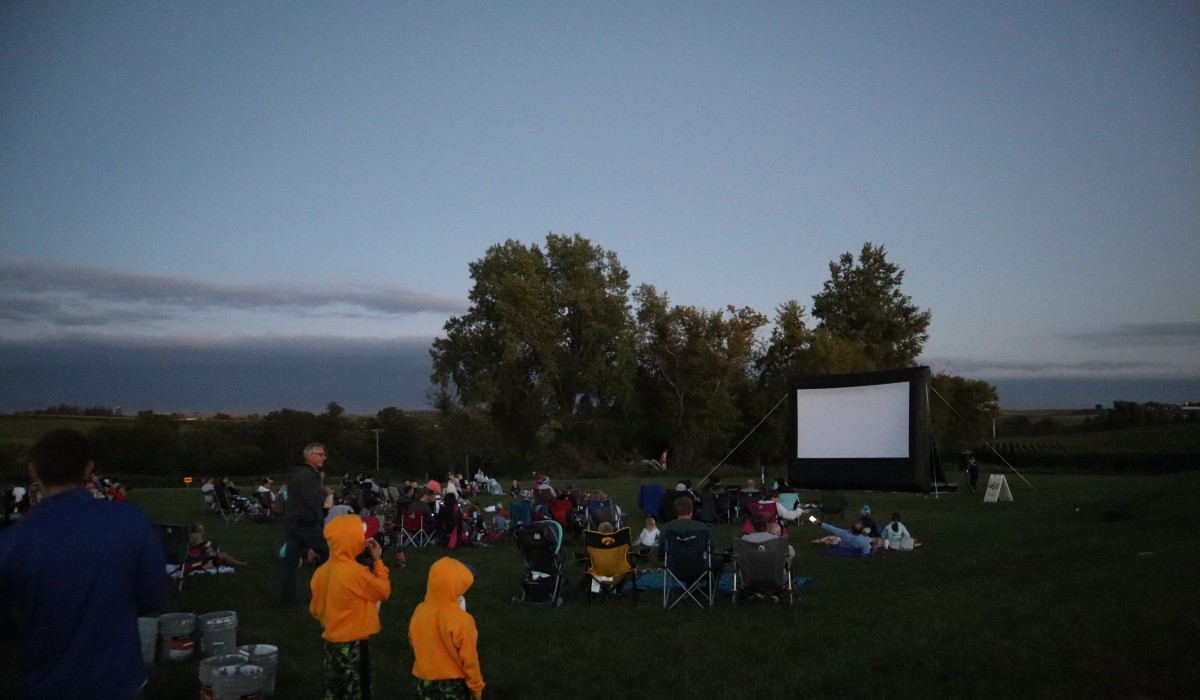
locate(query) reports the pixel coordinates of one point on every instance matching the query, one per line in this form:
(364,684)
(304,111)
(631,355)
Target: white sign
(997,489)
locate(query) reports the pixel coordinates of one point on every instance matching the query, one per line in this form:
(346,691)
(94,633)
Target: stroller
(540,544)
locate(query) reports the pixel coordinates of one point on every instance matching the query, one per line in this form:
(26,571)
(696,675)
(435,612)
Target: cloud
(205,374)
(1158,334)
(1082,368)
(61,295)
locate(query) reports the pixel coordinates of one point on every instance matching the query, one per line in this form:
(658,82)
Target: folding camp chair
(611,564)
(650,500)
(762,571)
(744,498)
(758,509)
(414,530)
(231,509)
(175,545)
(601,511)
(687,568)
(520,513)
(832,503)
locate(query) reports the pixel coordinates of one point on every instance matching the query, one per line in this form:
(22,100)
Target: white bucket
(177,636)
(266,657)
(208,671)
(218,632)
(240,682)
(148,633)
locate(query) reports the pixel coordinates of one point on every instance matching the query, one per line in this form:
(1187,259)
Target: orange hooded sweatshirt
(345,594)
(442,634)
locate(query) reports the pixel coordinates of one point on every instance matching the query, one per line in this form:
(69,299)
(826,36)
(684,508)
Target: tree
(862,304)
(961,410)
(693,365)
(548,331)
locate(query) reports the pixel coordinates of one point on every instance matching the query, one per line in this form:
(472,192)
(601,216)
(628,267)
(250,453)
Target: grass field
(1082,586)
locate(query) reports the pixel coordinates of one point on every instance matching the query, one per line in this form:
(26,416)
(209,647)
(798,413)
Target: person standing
(972,474)
(75,574)
(345,599)
(304,516)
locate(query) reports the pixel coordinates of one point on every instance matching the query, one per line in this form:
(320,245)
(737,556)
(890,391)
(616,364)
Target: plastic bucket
(177,636)
(240,682)
(208,671)
(218,633)
(148,633)
(266,657)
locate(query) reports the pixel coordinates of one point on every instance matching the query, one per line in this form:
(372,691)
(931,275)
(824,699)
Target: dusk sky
(217,206)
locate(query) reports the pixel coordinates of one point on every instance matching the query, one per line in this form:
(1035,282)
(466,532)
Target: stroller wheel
(558,602)
(516,599)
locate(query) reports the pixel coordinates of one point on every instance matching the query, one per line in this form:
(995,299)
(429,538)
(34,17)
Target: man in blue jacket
(75,574)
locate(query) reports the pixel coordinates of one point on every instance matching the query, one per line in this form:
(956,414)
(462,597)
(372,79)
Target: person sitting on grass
(869,526)
(895,535)
(650,534)
(204,554)
(851,542)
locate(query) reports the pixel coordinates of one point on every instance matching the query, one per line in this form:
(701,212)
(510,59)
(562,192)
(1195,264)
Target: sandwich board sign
(997,489)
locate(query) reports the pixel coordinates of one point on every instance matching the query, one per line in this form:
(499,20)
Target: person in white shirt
(895,535)
(650,535)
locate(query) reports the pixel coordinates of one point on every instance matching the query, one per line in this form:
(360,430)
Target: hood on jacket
(448,579)
(346,536)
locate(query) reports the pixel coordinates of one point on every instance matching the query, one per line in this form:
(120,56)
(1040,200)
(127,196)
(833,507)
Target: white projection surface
(855,422)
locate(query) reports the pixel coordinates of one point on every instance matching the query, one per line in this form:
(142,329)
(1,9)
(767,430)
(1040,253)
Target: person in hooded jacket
(345,599)
(443,636)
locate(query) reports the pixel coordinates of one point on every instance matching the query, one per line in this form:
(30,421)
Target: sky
(240,207)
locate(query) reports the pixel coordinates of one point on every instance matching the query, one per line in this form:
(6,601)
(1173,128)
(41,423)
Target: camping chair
(650,500)
(832,503)
(610,563)
(744,497)
(762,571)
(687,568)
(175,545)
(520,513)
(413,530)
(231,509)
(767,511)
(722,505)
(601,511)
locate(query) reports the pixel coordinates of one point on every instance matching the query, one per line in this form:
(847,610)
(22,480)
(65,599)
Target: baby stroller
(540,544)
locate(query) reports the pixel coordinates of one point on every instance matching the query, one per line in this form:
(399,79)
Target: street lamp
(377,431)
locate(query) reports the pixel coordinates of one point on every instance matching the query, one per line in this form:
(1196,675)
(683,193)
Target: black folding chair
(687,568)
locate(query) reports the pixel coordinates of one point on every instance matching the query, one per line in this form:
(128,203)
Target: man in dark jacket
(304,516)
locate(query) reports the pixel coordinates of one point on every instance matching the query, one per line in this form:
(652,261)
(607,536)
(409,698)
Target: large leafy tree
(548,332)
(862,304)
(693,364)
(961,409)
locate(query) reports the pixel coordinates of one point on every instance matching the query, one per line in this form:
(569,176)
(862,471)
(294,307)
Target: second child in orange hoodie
(345,599)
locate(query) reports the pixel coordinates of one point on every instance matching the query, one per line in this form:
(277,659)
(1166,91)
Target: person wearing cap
(345,599)
(869,526)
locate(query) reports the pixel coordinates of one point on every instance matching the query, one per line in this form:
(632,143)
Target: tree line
(559,365)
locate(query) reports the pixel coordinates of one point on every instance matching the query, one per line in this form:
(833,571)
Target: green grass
(1083,587)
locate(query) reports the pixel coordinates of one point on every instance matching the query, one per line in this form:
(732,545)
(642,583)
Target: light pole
(377,431)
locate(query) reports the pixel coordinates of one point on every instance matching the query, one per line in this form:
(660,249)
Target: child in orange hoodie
(443,636)
(345,599)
